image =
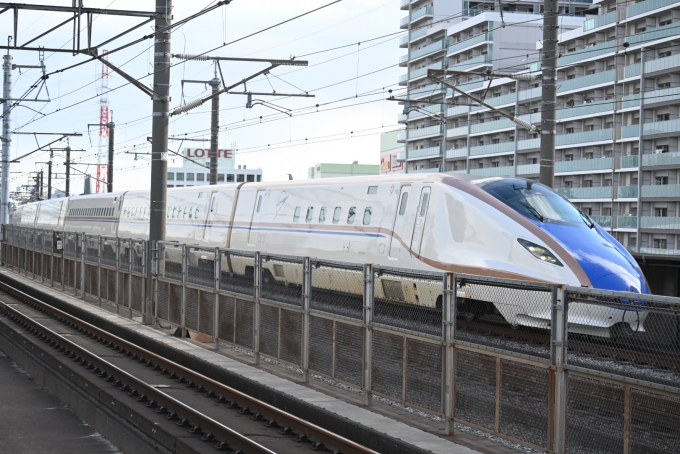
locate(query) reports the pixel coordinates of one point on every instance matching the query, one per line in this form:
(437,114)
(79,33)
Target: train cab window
(372,189)
(368,212)
(259,204)
(423,205)
(296,215)
(336,215)
(310,214)
(403,203)
(322,215)
(351,215)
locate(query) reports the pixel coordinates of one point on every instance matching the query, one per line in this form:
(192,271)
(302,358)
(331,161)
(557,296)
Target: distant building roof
(388,140)
(327,170)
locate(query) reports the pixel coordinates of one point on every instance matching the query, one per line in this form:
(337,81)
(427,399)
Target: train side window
(185,213)
(368,212)
(322,215)
(336,215)
(310,214)
(296,215)
(259,204)
(351,215)
(196,213)
(404,202)
(423,204)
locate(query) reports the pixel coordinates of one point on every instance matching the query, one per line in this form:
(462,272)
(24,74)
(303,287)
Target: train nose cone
(624,282)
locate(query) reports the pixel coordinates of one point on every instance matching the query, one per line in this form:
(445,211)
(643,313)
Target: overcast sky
(342,131)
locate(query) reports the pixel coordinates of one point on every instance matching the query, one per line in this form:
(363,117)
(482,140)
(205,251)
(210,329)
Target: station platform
(34,422)
(400,429)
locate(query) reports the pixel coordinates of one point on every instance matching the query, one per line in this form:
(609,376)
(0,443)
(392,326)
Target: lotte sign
(205,153)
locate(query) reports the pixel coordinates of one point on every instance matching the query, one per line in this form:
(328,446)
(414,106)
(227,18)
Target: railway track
(184,413)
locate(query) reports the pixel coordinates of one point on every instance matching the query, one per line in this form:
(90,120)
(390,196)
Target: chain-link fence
(564,370)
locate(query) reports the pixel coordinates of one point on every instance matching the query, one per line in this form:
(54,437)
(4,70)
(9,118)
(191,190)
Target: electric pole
(49,177)
(109,167)
(6,94)
(159,145)
(549,92)
(214,125)
(68,170)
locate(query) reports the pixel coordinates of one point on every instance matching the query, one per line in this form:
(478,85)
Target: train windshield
(533,200)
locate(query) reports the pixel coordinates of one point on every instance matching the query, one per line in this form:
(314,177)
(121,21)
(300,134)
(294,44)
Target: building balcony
(425,91)
(434,170)
(657,222)
(587,137)
(528,144)
(646,6)
(530,93)
(630,131)
(626,192)
(658,33)
(424,153)
(599,21)
(604,221)
(414,134)
(503,100)
(494,148)
(467,86)
(528,169)
(661,127)
(605,77)
(628,162)
(457,132)
(626,222)
(423,51)
(403,4)
(604,192)
(584,165)
(480,60)
(495,125)
(415,34)
(662,64)
(661,96)
(587,53)
(494,171)
(457,110)
(661,190)
(418,73)
(661,159)
(486,37)
(416,114)
(632,70)
(629,101)
(585,110)
(422,13)
(454,153)
(658,251)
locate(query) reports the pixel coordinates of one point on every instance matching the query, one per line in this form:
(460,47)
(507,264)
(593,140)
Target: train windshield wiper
(533,211)
(587,219)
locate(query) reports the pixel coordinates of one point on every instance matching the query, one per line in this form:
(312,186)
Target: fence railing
(554,368)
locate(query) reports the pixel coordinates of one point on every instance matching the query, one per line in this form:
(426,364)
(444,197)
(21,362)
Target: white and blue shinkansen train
(495,227)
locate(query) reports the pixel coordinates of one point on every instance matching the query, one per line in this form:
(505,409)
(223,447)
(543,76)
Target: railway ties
(181,406)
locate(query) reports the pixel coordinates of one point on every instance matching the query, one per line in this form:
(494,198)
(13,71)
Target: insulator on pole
(527,76)
(524,124)
(187,107)
(201,57)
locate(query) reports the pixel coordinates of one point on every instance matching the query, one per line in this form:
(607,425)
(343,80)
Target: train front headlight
(539,252)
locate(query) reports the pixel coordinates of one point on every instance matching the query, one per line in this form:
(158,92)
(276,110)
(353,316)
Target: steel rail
(320,437)
(187,416)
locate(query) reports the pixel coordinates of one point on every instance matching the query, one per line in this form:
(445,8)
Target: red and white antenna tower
(103,130)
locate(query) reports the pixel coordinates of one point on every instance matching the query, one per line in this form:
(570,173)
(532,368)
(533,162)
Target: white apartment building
(195,170)
(618,110)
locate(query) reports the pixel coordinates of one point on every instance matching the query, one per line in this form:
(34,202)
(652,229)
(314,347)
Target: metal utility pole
(159,145)
(49,177)
(67,189)
(6,94)
(109,167)
(214,125)
(40,185)
(551,11)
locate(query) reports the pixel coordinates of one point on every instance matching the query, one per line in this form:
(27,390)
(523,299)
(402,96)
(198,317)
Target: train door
(402,227)
(420,221)
(254,234)
(210,217)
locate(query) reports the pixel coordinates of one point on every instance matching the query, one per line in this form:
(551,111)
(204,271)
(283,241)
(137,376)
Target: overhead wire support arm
(512,118)
(126,76)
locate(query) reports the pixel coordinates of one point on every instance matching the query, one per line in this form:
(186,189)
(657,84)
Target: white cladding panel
(50,214)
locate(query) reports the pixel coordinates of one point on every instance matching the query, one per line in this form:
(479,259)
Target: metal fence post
(99,269)
(257,281)
(306,301)
(449,327)
(128,290)
(216,308)
(117,297)
(368,334)
(558,359)
(63,260)
(83,248)
(184,291)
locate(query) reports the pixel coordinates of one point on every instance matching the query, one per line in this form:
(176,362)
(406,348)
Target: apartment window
(200,177)
(511,162)
(606,211)
(659,243)
(660,212)
(568,130)
(661,149)
(250,178)
(640,30)
(571,49)
(220,177)
(664,54)
(608,182)
(665,22)
(567,184)
(179,176)
(495,164)
(533,161)
(588,101)
(259,178)
(587,183)
(480,165)
(591,71)
(496,117)
(569,157)
(664,85)
(495,140)
(590,127)
(190,177)
(660,181)
(587,210)
(240,178)
(663,117)
(230,178)
(171,175)
(587,156)
(571,76)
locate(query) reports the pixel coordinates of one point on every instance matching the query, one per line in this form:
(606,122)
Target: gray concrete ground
(34,422)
